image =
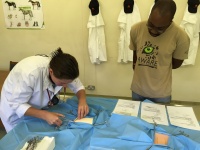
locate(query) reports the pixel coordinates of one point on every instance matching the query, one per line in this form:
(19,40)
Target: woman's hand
(50,117)
(54,118)
(83,109)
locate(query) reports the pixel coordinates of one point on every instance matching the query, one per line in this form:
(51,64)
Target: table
(108,131)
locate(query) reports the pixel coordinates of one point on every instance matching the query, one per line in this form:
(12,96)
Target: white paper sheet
(85,120)
(183,117)
(154,113)
(127,107)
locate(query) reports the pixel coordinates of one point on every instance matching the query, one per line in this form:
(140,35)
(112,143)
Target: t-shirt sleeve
(182,47)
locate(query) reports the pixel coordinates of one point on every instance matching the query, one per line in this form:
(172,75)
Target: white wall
(66,27)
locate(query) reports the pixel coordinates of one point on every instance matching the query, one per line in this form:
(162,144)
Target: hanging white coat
(125,23)
(96,40)
(191,24)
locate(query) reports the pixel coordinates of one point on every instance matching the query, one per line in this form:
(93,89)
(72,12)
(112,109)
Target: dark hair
(64,65)
(165,7)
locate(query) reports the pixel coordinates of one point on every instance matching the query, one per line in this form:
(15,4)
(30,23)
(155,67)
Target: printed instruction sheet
(127,107)
(154,113)
(183,117)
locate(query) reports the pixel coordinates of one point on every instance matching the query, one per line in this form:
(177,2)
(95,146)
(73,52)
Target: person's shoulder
(180,34)
(34,60)
(178,29)
(32,63)
(139,25)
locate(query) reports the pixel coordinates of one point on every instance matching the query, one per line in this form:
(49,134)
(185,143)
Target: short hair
(64,65)
(165,7)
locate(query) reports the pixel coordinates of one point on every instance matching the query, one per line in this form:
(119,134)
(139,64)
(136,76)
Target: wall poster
(23,14)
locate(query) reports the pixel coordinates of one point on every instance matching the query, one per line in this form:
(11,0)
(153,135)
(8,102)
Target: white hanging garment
(125,23)
(191,24)
(96,40)
(199,21)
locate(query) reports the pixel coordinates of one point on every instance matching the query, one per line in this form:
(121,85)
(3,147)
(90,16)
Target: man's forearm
(134,59)
(176,63)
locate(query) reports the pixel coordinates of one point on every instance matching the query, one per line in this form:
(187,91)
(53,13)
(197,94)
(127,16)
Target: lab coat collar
(48,83)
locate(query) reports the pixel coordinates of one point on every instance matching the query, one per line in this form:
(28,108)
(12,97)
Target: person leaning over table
(32,85)
(159,45)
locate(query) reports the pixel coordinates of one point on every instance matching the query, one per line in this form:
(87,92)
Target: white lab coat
(26,86)
(96,40)
(191,24)
(125,23)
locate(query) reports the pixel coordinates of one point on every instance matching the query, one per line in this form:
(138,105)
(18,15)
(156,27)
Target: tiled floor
(196,108)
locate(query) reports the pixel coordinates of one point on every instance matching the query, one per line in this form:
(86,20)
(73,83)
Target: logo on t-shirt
(148,55)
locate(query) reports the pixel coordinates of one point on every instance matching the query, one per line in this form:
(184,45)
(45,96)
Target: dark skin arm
(134,59)
(176,63)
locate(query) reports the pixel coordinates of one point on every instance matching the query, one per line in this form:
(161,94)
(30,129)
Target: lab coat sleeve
(22,90)
(76,85)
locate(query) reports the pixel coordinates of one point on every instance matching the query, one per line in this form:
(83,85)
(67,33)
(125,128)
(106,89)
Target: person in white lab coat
(159,45)
(32,85)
